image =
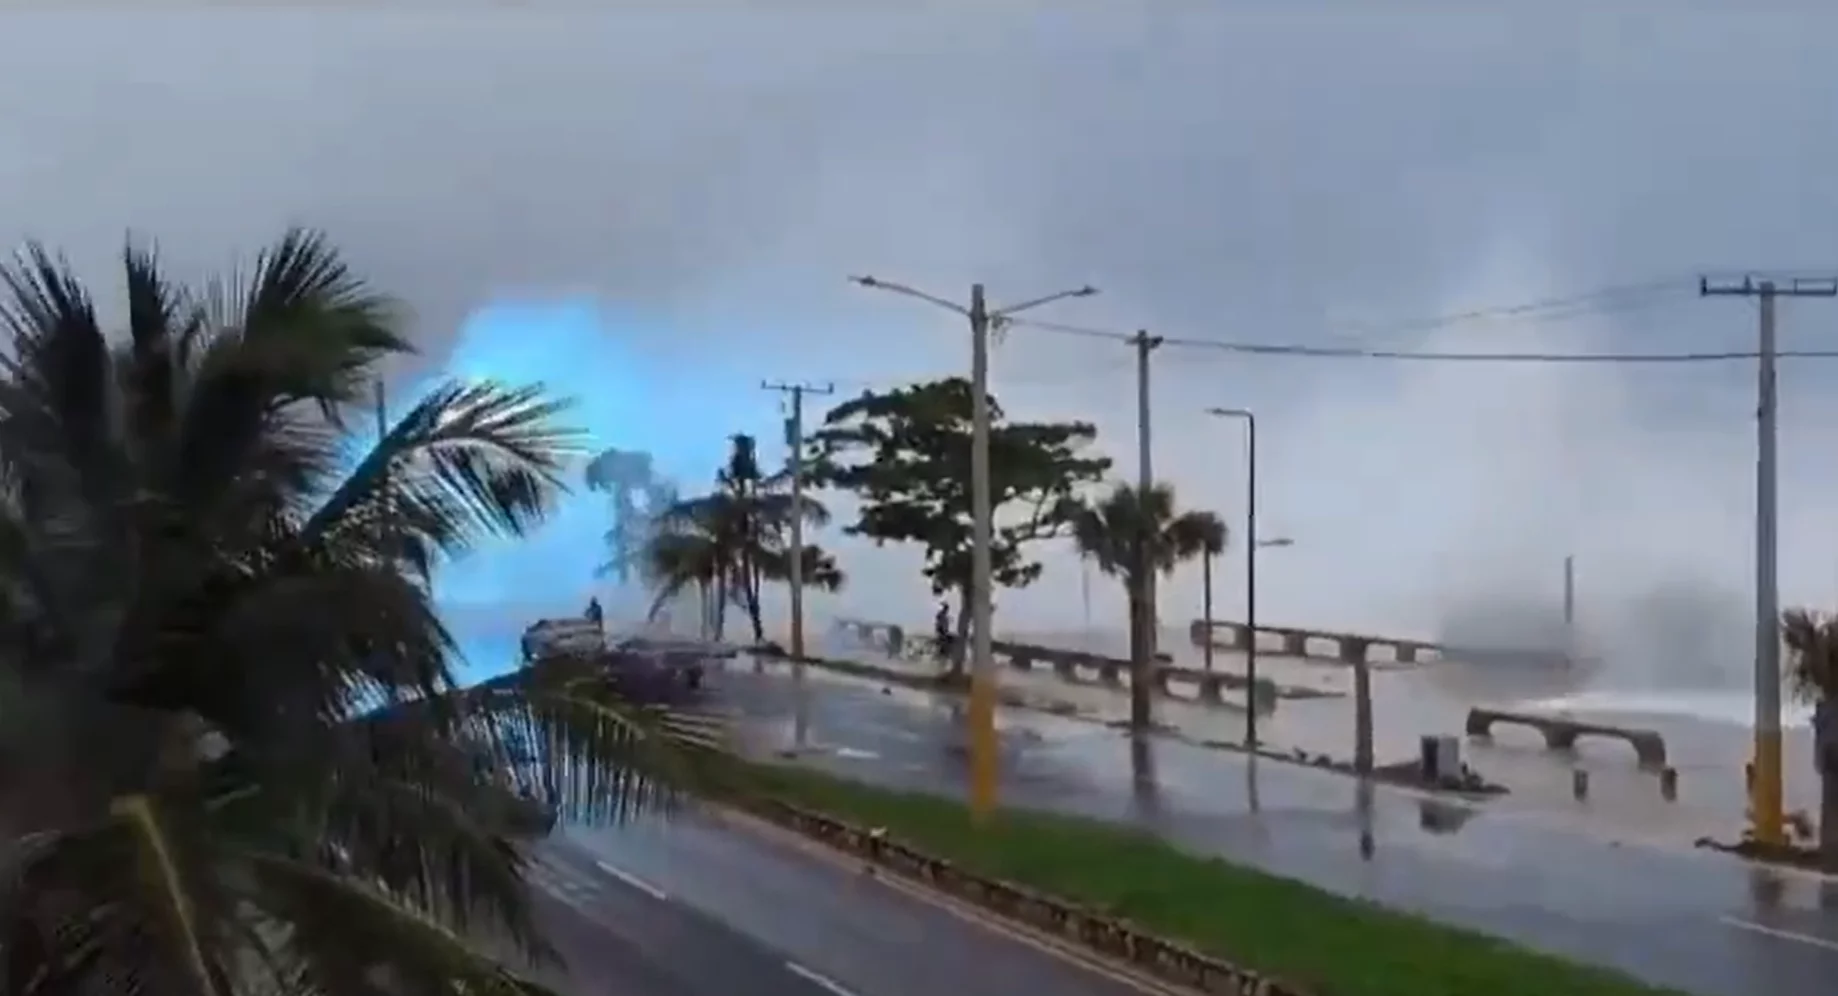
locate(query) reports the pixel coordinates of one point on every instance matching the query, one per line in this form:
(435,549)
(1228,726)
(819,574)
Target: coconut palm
(1212,545)
(1812,640)
(234,753)
(1129,533)
(727,543)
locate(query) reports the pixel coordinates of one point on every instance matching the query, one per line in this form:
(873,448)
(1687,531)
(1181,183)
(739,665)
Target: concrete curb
(1104,936)
(856,669)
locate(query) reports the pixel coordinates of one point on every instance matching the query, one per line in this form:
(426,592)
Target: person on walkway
(941,632)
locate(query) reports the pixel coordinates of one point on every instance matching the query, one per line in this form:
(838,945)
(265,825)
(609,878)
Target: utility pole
(1570,609)
(1766,791)
(794,566)
(1142,648)
(982,319)
(983,744)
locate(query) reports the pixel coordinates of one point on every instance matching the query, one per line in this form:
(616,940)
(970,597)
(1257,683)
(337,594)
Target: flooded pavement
(1696,921)
(1623,800)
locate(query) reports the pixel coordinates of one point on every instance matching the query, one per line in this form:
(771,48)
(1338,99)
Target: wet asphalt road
(1690,920)
(697,907)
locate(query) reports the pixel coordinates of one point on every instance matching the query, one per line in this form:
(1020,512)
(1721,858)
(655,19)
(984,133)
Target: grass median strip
(1322,943)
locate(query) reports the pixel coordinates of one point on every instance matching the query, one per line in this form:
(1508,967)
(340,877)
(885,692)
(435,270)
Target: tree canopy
(1130,532)
(726,544)
(1129,529)
(905,454)
(235,751)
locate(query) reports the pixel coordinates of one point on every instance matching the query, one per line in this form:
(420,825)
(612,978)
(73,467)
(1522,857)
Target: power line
(1623,297)
(1617,297)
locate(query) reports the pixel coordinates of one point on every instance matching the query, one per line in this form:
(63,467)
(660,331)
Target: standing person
(594,614)
(941,632)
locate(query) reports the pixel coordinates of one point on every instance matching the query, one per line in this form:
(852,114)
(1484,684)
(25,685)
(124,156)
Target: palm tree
(1812,639)
(727,543)
(1212,545)
(1129,533)
(234,753)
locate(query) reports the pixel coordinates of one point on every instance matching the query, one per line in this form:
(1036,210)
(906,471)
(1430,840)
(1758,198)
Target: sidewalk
(1622,802)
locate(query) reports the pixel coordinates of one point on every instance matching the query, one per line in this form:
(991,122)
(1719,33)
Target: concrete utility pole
(1766,792)
(1142,648)
(1570,609)
(982,320)
(794,460)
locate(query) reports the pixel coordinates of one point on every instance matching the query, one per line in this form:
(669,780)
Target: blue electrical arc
(580,351)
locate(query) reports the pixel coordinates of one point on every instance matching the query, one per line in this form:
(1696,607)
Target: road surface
(699,907)
(1688,919)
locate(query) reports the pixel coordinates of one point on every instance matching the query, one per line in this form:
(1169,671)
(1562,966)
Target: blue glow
(576,350)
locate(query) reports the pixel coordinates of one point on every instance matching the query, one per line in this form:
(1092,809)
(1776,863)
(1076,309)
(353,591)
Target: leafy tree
(636,493)
(905,454)
(1812,639)
(1129,533)
(727,543)
(234,752)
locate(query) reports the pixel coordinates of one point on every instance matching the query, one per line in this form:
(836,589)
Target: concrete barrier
(1561,734)
(1115,939)
(1316,644)
(1082,667)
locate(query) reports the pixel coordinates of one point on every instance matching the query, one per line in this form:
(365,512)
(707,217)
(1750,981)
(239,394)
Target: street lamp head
(865,281)
(1230,412)
(1279,541)
(1085,291)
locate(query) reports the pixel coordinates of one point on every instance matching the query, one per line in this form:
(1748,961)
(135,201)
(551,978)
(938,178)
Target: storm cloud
(704,179)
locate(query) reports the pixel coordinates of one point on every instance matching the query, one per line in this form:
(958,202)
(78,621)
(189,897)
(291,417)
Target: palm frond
(232,744)
(1812,641)
(1129,529)
(467,461)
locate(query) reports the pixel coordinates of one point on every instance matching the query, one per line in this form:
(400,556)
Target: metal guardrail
(1106,936)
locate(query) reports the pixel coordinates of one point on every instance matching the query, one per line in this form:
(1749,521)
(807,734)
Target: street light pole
(982,321)
(1250,568)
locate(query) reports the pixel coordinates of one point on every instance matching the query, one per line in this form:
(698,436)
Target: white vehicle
(575,637)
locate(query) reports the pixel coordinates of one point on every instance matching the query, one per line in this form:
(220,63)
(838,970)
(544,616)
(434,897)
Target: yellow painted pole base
(982,747)
(1765,791)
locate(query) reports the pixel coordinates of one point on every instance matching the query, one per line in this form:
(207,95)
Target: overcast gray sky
(705,179)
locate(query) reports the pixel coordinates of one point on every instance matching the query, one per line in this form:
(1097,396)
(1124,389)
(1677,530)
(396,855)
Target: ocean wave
(1721,706)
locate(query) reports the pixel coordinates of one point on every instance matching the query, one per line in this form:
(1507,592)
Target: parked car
(577,636)
(532,816)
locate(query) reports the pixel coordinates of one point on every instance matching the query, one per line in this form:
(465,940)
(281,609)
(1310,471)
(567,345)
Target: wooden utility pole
(1766,791)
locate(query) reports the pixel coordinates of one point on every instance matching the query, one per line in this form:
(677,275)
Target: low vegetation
(1319,942)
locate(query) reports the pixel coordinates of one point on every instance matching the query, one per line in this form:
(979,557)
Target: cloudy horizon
(655,211)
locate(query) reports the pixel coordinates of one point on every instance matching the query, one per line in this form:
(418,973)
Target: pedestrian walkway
(1622,800)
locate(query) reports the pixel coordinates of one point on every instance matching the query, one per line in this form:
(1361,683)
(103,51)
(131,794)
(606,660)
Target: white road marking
(818,979)
(855,754)
(1777,933)
(1013,930)
(558,891)
(633,880)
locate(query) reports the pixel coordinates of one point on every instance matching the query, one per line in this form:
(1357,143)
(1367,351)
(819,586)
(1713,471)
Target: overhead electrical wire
(1619,298)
